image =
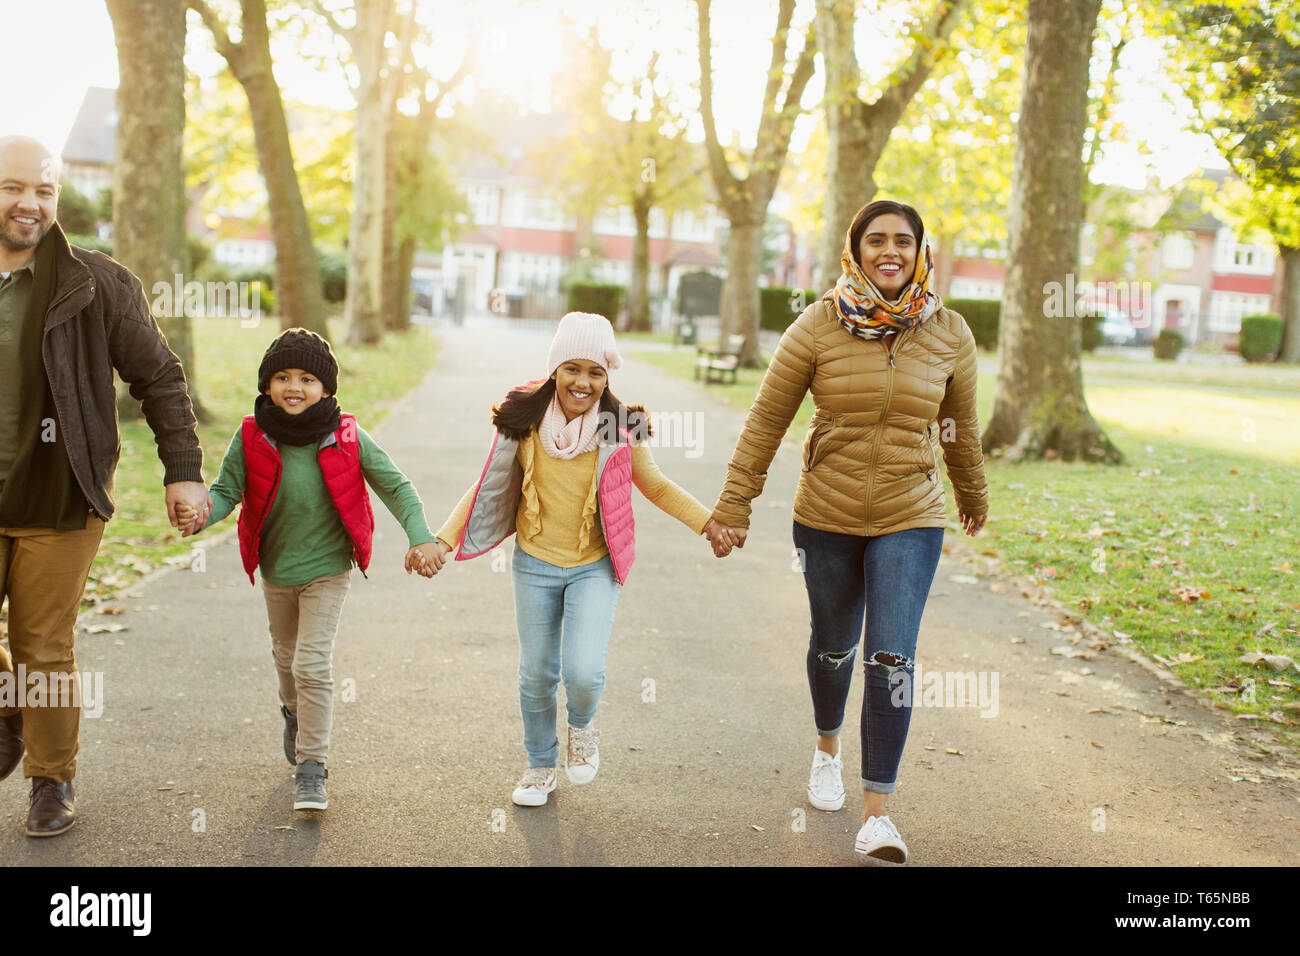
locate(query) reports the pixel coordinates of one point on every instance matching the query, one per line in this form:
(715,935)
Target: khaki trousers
(303,621)
(43,573)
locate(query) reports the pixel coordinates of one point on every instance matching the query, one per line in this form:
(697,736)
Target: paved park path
(707,731)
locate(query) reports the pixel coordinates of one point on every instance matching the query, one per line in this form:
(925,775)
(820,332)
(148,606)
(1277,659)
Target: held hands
(971,525)
(427,559)
(188,506)
(724,538)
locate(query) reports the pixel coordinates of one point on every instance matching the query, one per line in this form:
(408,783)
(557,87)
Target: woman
(560,472)
(891,371)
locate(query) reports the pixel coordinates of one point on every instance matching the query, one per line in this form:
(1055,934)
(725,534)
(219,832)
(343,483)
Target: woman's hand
(971,525)
(723,538)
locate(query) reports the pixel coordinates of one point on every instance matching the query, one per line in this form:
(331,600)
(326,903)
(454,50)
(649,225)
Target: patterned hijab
(865,312)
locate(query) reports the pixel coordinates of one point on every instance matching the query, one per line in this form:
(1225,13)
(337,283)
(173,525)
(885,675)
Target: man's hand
(194,495)
(427,559)
(971,525)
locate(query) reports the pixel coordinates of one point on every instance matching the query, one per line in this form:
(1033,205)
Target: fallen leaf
(955,752)
(1188,593)
(286,827)
(1097,745)
(755,826)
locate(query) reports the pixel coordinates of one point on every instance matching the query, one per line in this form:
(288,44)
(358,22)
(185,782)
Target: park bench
(720,365)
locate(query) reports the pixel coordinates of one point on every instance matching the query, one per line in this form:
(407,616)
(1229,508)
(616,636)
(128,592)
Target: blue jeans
(885,579)
(564,617)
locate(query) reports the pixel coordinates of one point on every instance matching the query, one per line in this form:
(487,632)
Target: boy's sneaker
(290,735)
(533,787)
(584,755)
(879,838)
(309,780)
(825,787)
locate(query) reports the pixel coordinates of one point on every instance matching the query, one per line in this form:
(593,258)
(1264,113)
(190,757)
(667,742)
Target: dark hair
(524,407)
(882,207)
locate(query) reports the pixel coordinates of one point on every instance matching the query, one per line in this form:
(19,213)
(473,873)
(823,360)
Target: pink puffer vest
(491,517)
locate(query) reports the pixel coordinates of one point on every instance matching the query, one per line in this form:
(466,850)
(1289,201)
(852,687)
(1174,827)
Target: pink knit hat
(584,335)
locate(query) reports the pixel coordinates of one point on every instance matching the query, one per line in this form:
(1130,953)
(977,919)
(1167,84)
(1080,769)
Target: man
(68,318)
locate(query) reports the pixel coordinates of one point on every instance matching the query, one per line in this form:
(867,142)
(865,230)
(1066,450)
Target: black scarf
(41,490)
(306,428)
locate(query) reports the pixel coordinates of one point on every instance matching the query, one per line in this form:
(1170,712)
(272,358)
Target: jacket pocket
(931,433)
(815,448)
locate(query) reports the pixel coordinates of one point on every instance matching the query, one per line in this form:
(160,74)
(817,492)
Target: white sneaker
(825,788)
(879,838)
(584,755)
(533,787)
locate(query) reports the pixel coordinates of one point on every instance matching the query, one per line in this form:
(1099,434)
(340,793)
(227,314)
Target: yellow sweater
(556,519)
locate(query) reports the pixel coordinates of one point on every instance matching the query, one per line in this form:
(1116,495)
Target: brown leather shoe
(11,743)
(52,809)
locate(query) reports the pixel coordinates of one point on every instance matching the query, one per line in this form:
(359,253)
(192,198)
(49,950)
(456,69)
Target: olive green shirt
(15,293)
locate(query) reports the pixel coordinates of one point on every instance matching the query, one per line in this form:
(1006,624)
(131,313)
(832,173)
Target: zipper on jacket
(880,423)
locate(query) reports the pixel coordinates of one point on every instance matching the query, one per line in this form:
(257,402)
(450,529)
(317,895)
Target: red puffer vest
(339,455)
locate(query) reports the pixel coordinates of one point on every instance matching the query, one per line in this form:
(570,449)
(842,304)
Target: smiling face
(579,385)
(887,254)
(295,390)
(29,195)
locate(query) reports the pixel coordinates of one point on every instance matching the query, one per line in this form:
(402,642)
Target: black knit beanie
(304,349)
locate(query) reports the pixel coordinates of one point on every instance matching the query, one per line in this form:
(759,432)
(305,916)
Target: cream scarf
(563,439)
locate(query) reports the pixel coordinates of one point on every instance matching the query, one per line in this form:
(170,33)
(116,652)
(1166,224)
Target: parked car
(1116,329)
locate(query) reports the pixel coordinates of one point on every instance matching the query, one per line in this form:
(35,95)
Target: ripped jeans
(886,580)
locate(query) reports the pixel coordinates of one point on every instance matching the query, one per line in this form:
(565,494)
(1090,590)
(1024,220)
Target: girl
(300,467)
(560,472)
(891,371)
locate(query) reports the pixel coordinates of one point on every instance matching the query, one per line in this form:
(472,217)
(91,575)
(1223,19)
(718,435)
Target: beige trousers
(43,572)
(303,621)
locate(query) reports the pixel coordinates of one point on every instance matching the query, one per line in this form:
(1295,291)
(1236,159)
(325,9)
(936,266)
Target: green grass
(1188,550)
(139,539)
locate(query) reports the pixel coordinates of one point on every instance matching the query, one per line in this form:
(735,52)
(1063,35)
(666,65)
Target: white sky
(524,44)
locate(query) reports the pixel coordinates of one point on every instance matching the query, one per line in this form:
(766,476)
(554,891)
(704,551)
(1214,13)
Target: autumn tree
(951,154)
(297,275)
(858,129)
(642,162)
(744,196)
(1039,409)
(148,170)
(1239,63)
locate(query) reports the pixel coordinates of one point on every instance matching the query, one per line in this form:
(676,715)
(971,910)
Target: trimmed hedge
(1261,337)
(1092,336)
(777,305)
(596,297)
(1168,344)
(983,316)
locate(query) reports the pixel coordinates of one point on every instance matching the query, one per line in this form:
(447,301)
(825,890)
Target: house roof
(93,138)
(1187,209)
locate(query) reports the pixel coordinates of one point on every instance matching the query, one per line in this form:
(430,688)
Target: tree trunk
(740,289)
(1039,410)
(149,169)
(1290,351)
(365,237)
(396,307)
(856,132)
(638,293)
(298,296)
(948,259)
(405,263)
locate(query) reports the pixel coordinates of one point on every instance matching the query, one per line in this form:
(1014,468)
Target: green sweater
(303,537)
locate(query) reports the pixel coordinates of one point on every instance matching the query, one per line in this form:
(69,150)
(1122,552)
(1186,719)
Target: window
(1247,258)
(1177,251)
(1228,308)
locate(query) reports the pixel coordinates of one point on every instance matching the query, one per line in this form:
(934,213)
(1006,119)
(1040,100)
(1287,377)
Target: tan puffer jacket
(870,465)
